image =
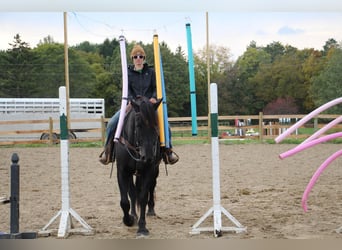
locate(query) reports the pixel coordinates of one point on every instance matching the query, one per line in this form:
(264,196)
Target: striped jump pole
(216,210)
(66,213)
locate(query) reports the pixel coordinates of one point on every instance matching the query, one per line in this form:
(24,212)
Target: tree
(3,73)
(51,63)
(247,66)
(311,67)
(275,49)
(328,84)
(52,70)
(176,79)
(220,63)
(330,43)
(282,78)
(281,106)
(49,39)
(109,83)
(87,47)
(18,73)
(107,47)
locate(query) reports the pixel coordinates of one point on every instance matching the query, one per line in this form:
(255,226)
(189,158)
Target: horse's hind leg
(151,197)
(128,219)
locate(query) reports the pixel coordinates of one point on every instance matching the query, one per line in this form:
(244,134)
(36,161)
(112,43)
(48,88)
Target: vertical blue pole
(159,89)
(192,81)
(166,119)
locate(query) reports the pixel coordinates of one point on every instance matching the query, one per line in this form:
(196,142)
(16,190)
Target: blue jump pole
(166,122)
(192,81)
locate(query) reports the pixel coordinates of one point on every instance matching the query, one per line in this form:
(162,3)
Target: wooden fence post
(50,130)
(316,124)
(103,130)
(261,126)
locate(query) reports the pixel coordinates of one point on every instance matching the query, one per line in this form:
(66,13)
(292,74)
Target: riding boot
(107,154)
(170,157)
(104,158)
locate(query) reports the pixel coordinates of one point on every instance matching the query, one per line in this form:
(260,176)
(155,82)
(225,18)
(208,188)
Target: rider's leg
(171,157)
(111,126)
(105,156)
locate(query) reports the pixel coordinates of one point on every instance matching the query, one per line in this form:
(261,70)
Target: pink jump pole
(309,144)
(315,177)
(324,129)
(307,118)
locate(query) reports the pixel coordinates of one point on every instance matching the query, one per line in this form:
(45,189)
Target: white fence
(24,109)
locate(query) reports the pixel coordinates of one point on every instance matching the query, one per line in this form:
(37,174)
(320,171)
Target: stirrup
(167,159)
(104,158)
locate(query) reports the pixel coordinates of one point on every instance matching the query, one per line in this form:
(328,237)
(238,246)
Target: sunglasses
(139,56)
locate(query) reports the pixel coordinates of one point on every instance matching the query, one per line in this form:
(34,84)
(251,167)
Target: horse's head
(146,129)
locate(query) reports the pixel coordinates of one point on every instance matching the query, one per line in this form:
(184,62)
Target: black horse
(138,155)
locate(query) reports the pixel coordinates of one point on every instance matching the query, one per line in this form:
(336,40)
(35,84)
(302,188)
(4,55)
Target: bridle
(134,150)
(130,148)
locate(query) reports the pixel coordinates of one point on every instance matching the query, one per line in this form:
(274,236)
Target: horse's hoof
(142,232)
(129,221)
(151,213)
(135,216)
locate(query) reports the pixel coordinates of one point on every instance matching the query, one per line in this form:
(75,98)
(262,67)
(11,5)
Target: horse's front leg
(133,198)
(142,196)
(142,230)
(123,181)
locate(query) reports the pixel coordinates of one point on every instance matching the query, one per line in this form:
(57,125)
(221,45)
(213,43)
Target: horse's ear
(156,105)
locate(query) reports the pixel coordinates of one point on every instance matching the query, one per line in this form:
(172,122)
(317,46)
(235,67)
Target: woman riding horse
(138,155)
(141,82)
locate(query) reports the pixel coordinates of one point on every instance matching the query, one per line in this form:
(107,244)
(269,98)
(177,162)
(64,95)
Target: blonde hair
(137,49)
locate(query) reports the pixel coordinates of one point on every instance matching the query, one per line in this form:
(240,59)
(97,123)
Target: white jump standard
(216,209)
(66,213)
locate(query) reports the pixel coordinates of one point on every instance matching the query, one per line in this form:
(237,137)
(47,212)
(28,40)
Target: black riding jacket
(142,82)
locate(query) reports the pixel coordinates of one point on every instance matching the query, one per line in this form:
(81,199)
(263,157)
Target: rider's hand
(153,100)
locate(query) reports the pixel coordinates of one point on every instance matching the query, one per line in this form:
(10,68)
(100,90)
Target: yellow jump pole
(159,89)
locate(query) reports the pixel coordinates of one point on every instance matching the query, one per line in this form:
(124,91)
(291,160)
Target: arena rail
(237,127)
(22,132)
(230,127)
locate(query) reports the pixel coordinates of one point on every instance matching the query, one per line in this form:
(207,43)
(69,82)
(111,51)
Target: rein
(129,148)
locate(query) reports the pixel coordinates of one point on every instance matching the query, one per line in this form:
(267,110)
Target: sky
(232,27)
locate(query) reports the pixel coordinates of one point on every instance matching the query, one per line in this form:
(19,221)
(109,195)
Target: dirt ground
(261,191)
